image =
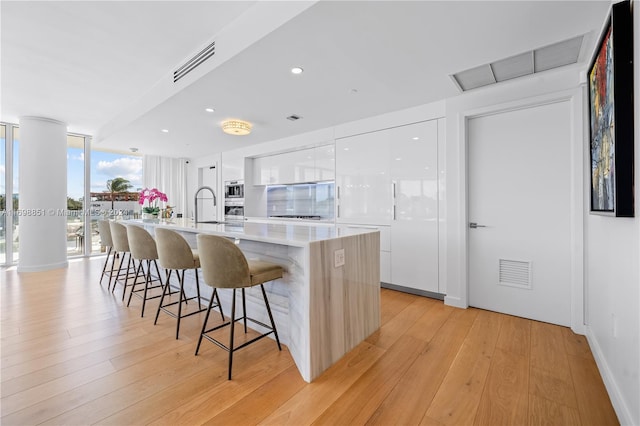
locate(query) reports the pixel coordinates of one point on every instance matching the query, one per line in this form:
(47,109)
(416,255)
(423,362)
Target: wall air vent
(194,62)
(556,55)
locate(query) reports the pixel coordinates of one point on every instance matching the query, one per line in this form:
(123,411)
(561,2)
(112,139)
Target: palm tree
(118,184)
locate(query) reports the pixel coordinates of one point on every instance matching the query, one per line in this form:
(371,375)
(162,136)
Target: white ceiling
(106,68)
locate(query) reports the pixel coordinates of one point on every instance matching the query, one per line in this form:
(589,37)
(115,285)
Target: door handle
(474,225)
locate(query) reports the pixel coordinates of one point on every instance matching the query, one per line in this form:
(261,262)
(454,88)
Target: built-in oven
(234,190)
(233,210)
(234,200)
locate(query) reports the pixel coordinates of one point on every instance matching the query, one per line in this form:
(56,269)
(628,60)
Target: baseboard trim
(41,268)
(456,302)
(410,290)
(621,409)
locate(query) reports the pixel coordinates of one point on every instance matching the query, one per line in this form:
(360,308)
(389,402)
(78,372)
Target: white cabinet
(363,183)
(414,228)
(389,179)
(262,170)
(301,166)
(325,163)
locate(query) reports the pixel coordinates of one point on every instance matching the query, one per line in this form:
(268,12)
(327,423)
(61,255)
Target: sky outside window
(104,166)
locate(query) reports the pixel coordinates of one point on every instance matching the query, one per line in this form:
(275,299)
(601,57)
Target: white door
(519,184)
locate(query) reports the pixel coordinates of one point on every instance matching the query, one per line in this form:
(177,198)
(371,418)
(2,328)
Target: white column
(43,194)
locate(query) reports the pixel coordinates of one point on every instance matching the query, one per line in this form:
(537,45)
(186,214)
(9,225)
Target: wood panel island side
(329,298)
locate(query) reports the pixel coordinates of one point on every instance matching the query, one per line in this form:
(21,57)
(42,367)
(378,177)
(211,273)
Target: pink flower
(151,195)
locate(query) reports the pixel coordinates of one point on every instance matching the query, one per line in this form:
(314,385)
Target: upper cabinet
(302,166)
(325,163)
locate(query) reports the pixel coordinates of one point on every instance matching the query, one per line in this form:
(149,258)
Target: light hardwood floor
(74,354)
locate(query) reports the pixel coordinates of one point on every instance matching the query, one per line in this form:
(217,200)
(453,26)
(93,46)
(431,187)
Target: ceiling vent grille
(545,58)
(293,117)
(194,62)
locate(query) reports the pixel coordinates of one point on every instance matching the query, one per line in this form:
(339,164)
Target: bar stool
(121,247)
(175,254)
(143,247)
(225,266)
(105,239)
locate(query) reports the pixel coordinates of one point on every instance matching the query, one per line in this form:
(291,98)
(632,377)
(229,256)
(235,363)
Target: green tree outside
(116,185)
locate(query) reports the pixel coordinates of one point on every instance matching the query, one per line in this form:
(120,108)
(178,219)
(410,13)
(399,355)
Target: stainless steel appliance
(233,210)
(234,200)
(234,189)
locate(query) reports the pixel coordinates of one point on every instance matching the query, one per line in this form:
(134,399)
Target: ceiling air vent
(194,62)
(293,117)
(545,58)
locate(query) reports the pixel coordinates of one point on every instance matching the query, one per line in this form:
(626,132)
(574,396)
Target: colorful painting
(602,128)
(611,116)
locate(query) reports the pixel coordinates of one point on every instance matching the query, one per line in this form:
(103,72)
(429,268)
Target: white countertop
(294,234)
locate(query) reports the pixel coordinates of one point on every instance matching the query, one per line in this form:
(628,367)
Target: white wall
(613,286)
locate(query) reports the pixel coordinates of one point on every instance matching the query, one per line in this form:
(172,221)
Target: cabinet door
(363,180)
(291,167)
(304,166)
(325,163)
(261,171)
(414,228)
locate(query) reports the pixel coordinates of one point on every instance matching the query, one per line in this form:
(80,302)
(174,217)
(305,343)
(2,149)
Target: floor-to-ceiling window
(15,192)
(75,195)
(115,178)
(3,195)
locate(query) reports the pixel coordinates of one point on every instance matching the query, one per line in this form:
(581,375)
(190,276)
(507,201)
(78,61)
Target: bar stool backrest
(173,250)
(223,263)
(105,233)
(141,243)
(119,237)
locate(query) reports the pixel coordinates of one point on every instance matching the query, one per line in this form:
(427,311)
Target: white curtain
(169,175)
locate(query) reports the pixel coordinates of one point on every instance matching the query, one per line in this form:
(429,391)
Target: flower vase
(149,216)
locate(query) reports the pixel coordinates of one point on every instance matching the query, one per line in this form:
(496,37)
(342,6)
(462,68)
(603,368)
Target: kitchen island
(329,298)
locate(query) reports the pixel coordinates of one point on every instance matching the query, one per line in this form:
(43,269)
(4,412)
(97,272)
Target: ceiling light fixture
(296,70)
(164,131)
(236,127)
(210,110)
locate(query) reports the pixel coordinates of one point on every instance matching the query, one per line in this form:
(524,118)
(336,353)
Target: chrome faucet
(196,200)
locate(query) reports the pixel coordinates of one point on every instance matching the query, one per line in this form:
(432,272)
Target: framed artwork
(610,78)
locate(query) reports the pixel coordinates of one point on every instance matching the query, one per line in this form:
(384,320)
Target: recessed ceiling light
(415,138)
(164,131)
(210,110)
(296,70)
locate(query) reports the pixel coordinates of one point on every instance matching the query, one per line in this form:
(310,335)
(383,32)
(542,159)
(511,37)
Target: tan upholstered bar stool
(121,247)
(225,266)
(143,248)
(175,254)
(105,240)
